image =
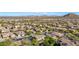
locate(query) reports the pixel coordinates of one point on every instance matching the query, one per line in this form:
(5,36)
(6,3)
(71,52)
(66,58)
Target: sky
(39,5)
(36,13)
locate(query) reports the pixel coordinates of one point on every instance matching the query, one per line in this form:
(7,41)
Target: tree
(35,42)
(49,41)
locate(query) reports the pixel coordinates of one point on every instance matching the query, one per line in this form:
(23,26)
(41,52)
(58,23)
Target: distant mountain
(67,16)
(71,15)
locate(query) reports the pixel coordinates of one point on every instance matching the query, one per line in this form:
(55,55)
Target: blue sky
(35,13)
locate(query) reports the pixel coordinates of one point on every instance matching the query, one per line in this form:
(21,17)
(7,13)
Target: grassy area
(5,43)
(72,36)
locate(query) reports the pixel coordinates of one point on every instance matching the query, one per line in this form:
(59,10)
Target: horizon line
(11,14)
